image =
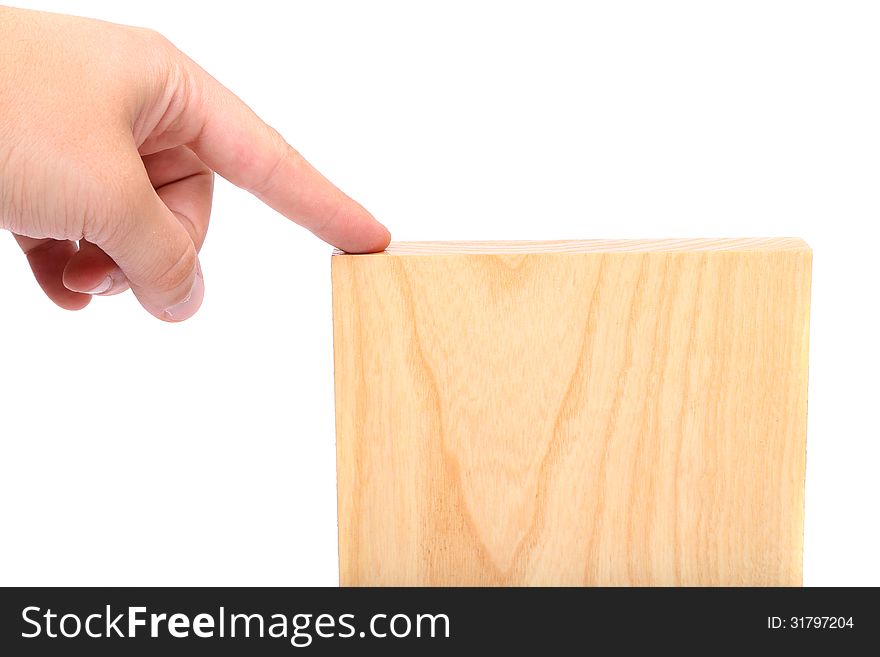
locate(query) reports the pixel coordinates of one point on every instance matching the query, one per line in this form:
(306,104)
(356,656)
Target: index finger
(231,139)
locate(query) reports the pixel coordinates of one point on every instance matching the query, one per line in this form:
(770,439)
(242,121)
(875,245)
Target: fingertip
(101,287)
(71,300)
(189,306)
(368,240)
(63,297)
(384,238)
(357,231)
(91,271)
(181,310)
(112,283)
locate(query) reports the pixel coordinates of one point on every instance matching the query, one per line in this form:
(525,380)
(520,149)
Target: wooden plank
(572,413)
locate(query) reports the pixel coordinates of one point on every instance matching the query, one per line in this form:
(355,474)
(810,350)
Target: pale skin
(109,141)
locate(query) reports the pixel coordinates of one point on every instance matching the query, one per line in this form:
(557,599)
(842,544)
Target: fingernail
(188,307)
(102,287)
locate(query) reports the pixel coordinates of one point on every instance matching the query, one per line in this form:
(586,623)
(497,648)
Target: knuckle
(156,56)
(154,38)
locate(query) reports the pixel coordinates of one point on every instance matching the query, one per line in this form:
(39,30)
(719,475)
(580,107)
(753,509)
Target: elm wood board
(572,413)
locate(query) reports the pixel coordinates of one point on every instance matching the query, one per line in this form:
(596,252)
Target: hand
(109,138)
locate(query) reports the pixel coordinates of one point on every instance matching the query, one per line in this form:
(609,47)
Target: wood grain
(572,413)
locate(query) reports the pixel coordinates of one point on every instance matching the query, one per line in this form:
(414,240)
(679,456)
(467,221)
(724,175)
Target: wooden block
(572,413)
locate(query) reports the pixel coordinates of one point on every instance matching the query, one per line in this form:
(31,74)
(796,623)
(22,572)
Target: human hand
(109,138)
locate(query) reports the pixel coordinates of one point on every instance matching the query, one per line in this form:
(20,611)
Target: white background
(137,452)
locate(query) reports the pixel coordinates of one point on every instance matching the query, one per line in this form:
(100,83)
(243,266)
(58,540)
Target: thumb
(159,259)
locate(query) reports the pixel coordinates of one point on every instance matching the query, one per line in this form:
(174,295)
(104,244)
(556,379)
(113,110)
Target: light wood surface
(572,413)
(588,246)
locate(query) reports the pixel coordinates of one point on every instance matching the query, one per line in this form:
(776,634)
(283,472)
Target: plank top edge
(586,246)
